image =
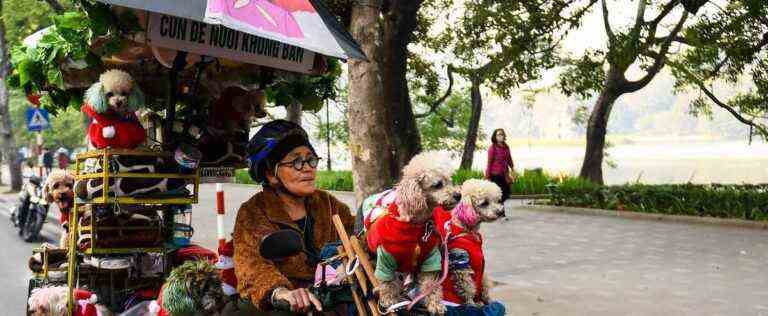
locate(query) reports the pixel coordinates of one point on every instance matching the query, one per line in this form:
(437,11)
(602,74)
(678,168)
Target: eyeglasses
(299,162)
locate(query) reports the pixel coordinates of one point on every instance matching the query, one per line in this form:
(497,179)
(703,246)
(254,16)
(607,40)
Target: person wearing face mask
(285,163)
(500,163)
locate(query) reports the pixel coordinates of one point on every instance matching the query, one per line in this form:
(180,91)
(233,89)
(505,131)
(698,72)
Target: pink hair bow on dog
(466,214)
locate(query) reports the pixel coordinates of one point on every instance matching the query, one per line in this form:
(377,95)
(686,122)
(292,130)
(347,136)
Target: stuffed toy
(224,141)
(52,301)
(403,239)
(110,104)
(58,189)
(480,202)
(226,267)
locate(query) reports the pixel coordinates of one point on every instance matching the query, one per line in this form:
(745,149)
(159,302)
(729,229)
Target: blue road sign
(37,120)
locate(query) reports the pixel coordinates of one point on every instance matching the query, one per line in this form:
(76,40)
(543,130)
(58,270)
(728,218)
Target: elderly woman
(285,163)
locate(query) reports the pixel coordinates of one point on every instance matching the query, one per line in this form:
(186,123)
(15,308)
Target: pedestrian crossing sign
(37,120)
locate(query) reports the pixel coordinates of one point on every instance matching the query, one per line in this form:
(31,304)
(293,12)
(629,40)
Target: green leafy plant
(76,40)
(749,202)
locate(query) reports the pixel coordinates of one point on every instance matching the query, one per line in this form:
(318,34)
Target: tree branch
(712,97)
(639,19)
(731,110)
(56,6)
(607,25)
(659,60)
(433,107)
(664,12)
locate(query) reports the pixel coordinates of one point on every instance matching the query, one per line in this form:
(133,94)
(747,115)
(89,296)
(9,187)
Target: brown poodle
(58,189)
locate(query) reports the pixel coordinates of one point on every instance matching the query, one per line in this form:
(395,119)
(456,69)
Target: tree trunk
(369,137)
(400,22)
(592,167)
(294,112)
(474,125)
(8,143)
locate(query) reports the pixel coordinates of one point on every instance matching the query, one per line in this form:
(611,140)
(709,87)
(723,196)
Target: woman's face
(500,137)
(298,182)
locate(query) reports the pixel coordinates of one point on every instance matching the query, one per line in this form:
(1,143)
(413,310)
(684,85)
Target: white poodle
(401,234)
(480,202)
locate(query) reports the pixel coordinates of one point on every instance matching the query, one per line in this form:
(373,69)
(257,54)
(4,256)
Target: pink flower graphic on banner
(272,16)
(295,5)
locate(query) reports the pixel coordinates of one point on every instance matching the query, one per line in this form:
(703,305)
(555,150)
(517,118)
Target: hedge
(744,201)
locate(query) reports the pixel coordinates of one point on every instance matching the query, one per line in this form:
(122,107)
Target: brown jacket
(256,276)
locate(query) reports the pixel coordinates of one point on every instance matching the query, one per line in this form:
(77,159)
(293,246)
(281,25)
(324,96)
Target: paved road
(14,273)
(562,264)
(553,263)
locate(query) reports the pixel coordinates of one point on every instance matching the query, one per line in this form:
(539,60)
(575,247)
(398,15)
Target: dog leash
(444,274)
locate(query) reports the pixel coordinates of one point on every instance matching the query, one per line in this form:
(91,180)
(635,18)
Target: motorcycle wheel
(35,220)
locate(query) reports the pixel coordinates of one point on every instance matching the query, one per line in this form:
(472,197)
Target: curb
(730,222)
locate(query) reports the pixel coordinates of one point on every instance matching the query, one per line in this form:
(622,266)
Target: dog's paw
(108,132)
(436,308)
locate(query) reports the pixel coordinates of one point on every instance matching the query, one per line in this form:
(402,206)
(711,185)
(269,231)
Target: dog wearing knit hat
(402,237)
(193,288)
(480,202)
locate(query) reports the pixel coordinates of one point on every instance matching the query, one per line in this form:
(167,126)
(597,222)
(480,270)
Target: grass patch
(326,180)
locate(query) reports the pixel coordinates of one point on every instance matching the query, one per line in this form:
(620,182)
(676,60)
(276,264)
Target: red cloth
(63,161)
(402,240)
(128,132)
(194,253)
(469,241)
(499,159)
(84,306)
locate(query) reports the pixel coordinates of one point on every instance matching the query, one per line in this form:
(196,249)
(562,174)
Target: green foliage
(748,202)
(727,47)
(24,17)
(326,180)
(506,43)
(462,175)
(66,128)
(583,77)
(530,182)
(310,91)
(39,69)
(338,129)
(447,128)
(335,180)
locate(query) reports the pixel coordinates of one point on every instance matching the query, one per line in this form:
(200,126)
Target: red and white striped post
(220,215)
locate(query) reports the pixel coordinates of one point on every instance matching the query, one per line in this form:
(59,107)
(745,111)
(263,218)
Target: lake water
(657,162)
(652,161)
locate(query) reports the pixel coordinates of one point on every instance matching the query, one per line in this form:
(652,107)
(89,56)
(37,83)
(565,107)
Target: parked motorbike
(32,209)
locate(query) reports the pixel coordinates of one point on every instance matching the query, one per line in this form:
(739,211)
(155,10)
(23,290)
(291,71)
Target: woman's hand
(300,300)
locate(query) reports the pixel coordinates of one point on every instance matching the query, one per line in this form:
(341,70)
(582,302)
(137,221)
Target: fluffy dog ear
(136,99)
(94,96)
(411,197)
(465,212)
(47,193)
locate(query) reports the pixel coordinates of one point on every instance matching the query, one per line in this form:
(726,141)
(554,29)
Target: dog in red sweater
(111,104)
(480,202)
(402,236)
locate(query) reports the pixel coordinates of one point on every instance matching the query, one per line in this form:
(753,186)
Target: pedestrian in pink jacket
(500,163)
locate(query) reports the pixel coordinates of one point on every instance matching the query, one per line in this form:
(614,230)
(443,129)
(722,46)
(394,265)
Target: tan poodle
(403,237)
(58,189)
(480,202)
